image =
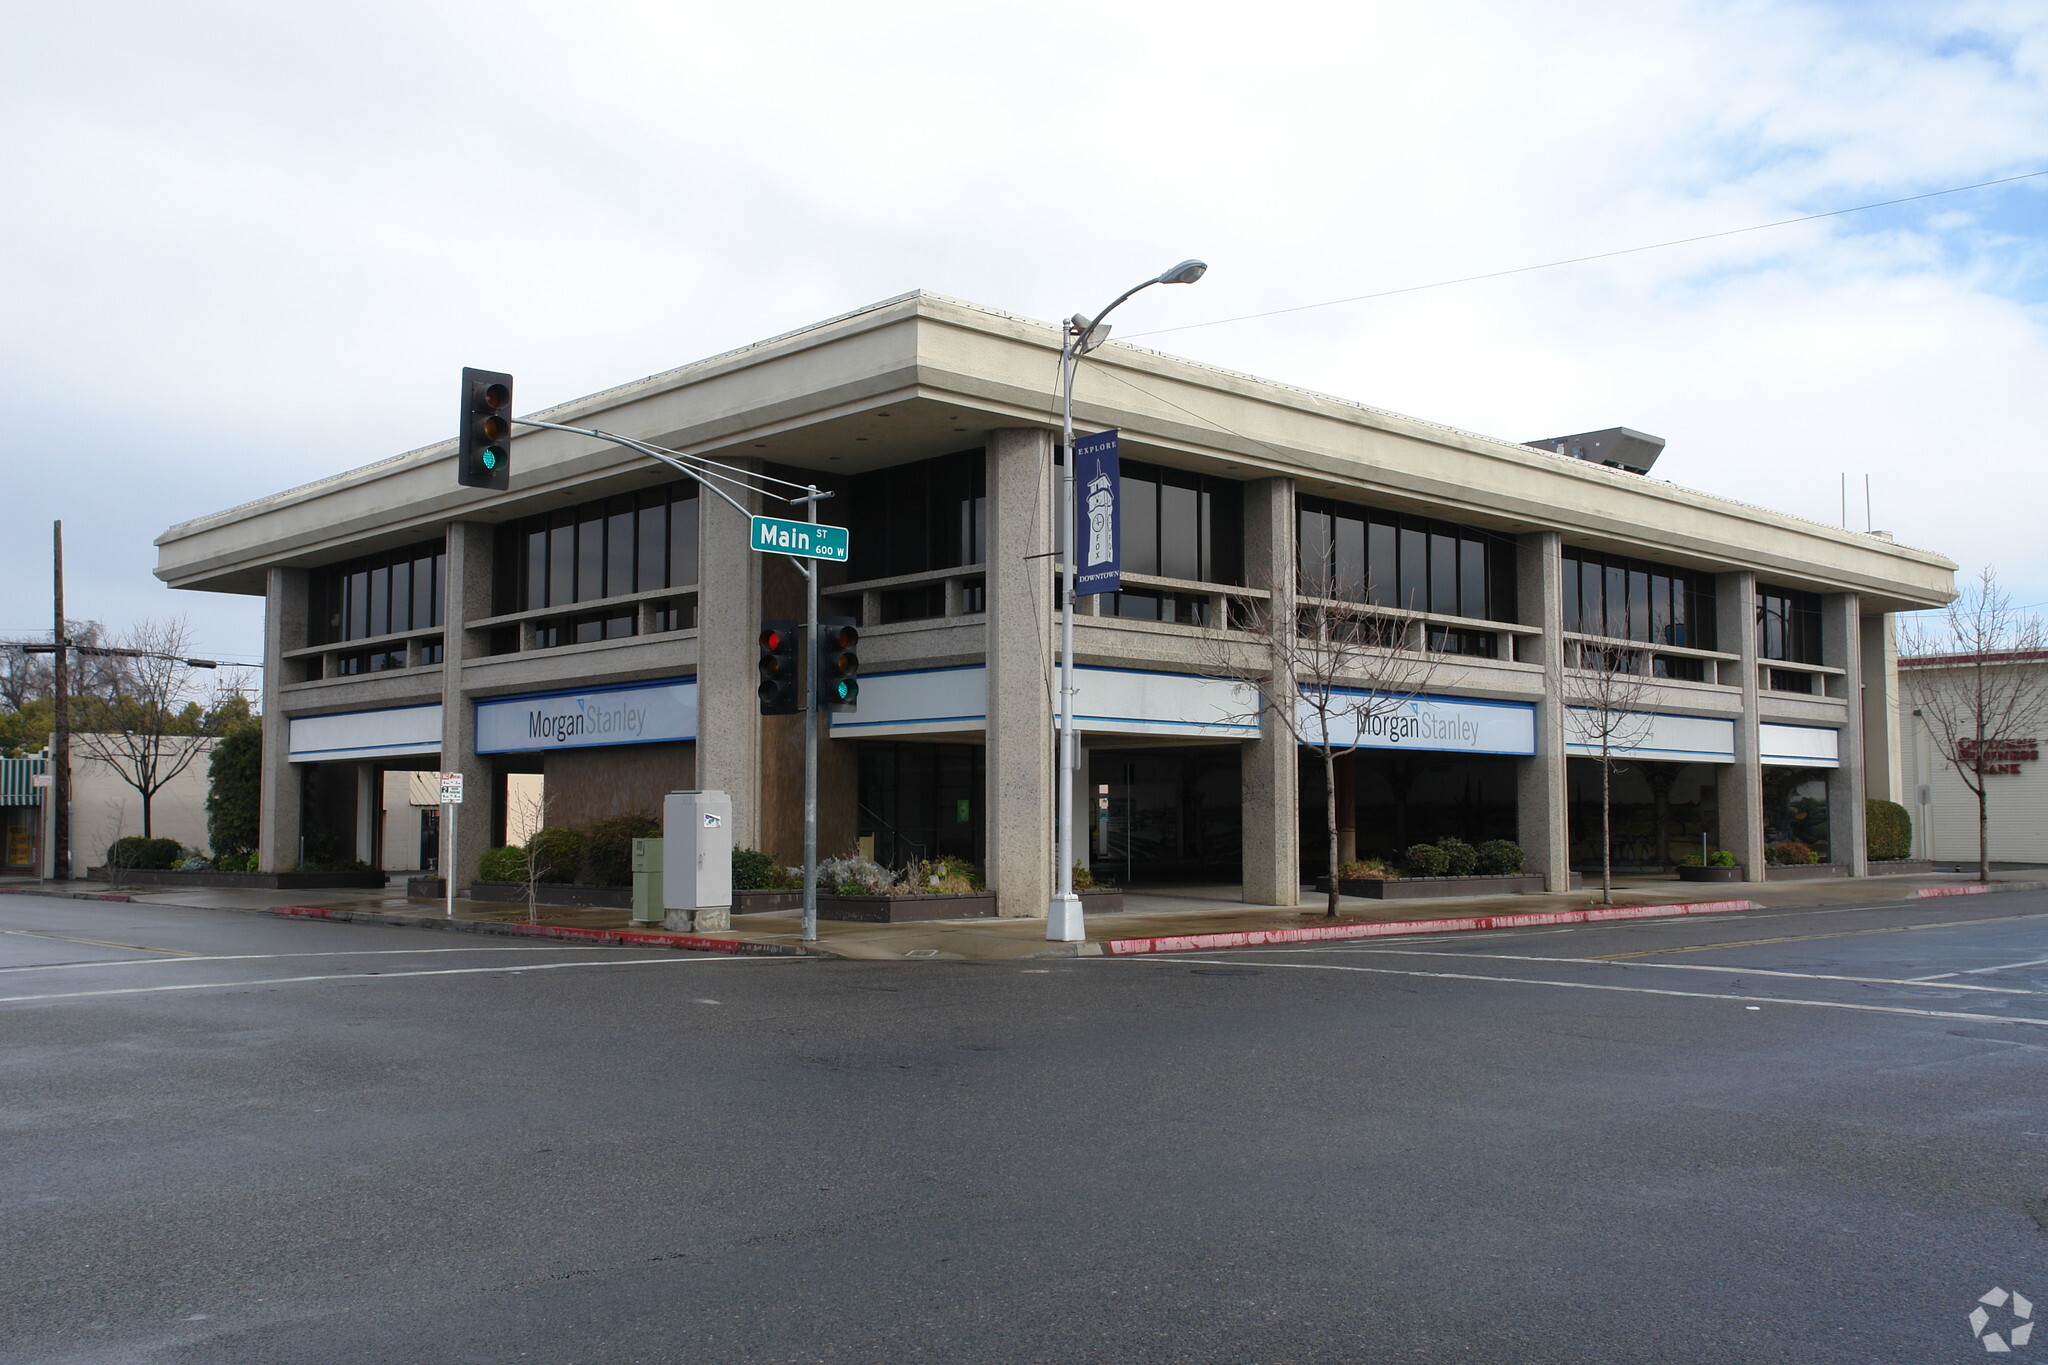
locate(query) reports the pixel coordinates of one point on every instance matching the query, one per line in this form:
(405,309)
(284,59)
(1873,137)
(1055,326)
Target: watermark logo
(2002,1320)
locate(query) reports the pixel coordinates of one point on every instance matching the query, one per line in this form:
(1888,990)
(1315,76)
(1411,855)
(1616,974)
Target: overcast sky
(245,246)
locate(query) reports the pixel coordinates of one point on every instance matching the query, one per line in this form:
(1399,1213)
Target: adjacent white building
(1943,807)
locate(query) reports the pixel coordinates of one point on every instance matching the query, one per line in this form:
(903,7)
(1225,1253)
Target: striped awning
(16,785)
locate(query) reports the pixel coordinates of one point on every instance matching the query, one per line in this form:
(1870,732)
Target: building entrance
(1163,815)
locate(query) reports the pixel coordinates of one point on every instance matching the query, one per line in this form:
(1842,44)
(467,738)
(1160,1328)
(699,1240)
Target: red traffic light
(771,640)
(497,396)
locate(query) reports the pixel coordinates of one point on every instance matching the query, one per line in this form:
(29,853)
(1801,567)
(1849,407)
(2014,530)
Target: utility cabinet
(696,873)
(647,906)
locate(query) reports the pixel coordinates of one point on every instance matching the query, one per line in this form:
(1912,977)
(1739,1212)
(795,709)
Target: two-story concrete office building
(596,624)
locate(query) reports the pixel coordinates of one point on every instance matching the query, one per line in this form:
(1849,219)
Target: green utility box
(647,907)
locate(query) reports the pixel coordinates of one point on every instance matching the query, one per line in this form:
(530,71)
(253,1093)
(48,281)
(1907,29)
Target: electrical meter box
(696,855)
(647,907)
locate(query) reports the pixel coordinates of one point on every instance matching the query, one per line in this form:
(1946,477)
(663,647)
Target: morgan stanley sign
(1098,521)
(646,714)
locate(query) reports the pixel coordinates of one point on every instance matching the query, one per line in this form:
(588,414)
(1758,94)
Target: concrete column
(728,624)
(284,627)
(1883,746)
(1019,651)
(366,812)
(1741,790)
(1841,632)
(1271,792)
(1542,797)
(467,598)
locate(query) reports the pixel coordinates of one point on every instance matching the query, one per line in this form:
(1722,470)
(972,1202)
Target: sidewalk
(1156,919)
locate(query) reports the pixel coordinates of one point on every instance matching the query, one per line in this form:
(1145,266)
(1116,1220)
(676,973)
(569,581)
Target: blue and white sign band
(649,713)
(1098,515)
(1460,725)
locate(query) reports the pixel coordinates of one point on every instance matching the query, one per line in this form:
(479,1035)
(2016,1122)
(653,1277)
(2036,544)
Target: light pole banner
(1098,518)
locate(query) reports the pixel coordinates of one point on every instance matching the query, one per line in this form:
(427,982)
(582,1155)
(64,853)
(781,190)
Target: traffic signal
(780,690)
(483,443)
(838,665)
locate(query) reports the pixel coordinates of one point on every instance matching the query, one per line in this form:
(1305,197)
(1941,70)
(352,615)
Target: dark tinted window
(636,542)
(1365,555)
(381,594)
(1788,626)
(1635,599)
(913,518)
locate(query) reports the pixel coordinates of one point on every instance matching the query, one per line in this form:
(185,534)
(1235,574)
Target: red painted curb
(1249,938)
(1977,889)
(624,937)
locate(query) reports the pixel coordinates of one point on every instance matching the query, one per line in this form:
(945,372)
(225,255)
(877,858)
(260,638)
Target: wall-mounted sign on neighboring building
(639,713)
(806,539)
(1098,528)
(1998,757)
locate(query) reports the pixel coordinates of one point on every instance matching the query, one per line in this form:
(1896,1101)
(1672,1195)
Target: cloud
(249,245)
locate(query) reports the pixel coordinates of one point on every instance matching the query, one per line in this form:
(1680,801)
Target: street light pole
(1079,335)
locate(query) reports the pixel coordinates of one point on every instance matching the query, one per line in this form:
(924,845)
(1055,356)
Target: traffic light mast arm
(703,476)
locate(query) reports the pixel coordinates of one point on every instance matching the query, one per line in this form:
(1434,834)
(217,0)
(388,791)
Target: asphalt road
(1790,1136)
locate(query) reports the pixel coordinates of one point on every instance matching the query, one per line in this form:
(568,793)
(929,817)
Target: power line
(1596,256)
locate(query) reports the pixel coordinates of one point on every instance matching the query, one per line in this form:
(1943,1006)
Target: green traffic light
(490,459)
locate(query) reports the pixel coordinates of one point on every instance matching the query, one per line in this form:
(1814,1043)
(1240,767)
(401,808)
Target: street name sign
(805,539)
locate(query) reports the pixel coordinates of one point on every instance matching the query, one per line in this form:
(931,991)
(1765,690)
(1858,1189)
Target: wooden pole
(60,727)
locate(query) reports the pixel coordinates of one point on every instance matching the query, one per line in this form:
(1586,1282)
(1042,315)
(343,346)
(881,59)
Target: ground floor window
(1660,812)
(1164,815)
(921,801)
(1796,813)
(1390,801)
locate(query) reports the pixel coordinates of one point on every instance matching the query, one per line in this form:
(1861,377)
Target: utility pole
(60,727)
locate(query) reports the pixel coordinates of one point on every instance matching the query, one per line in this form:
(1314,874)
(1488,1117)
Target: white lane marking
(257,957)
(1974,971)
(389,976)
(1596,986)
(1700,967)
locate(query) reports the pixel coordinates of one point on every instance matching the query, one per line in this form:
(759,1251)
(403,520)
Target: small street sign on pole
(805,539)
(451,797)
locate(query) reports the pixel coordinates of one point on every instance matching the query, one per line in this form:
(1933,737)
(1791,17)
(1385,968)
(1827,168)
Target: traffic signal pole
(701,469)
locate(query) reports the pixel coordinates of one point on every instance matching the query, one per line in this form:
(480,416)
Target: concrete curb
(624,938)
(1978,889)
(66,895)
(1251,938)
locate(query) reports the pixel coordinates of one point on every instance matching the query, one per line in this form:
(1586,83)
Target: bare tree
(1603,700)
(149,727)
(531,812)
(1981,681)
(1332,674)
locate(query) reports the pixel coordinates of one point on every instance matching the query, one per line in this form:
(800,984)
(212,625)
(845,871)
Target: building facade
(1943,807)
(596,624)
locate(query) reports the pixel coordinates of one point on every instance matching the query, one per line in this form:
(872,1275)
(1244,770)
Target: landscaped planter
(907,909)
(1415,888)
(253,881)
(1713,874)
(1803,872)
(595,897)
(1901,867)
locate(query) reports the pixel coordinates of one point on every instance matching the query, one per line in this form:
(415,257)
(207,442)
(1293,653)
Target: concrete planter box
(253,881)
(1101,902)
(907,909)
(1804,872)
(1901,867)
(426,888)
(1713,874)
(1418,888)
(764,901)
(594,897)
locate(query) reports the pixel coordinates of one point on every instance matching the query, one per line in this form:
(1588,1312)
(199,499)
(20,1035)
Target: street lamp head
(1187,272)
